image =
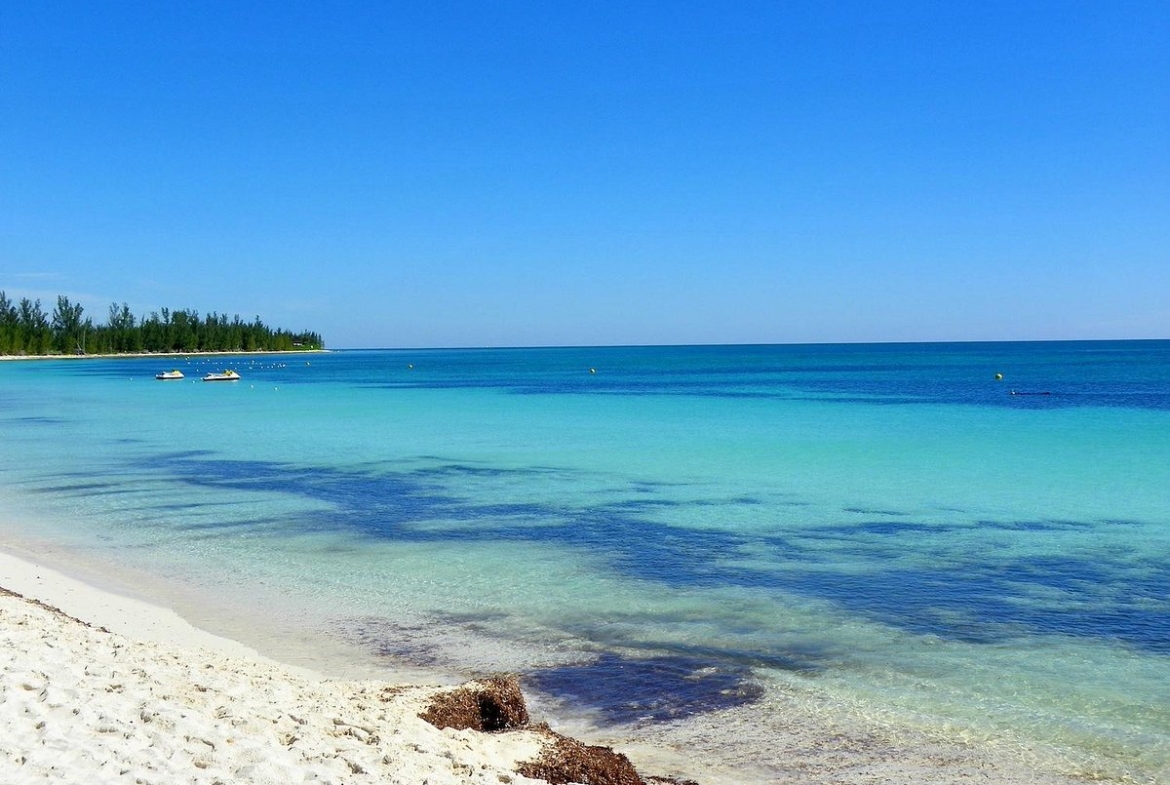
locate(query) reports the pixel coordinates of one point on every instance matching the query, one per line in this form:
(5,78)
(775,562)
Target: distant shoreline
(17,357)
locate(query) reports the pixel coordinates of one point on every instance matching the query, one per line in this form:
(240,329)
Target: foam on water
(678,535)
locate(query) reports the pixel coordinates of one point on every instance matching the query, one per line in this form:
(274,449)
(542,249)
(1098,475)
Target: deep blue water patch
(79,488)
(987,602)
(36,420)
(630,691)
(1047,525)
(468,470)
(882,528)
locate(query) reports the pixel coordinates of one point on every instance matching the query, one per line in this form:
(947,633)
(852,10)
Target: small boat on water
(174,373)
(226,376)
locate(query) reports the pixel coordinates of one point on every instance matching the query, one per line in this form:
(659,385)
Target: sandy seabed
(96,687)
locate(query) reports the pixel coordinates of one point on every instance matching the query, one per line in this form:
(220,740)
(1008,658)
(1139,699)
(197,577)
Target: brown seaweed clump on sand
(490,705)
(567,760)
(497,704)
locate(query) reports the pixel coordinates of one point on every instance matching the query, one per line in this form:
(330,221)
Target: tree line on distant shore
(25,329)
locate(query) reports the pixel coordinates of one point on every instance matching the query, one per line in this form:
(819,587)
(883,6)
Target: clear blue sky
(528,173)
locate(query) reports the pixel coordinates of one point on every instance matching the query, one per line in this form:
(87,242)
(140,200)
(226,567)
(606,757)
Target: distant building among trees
(25,328)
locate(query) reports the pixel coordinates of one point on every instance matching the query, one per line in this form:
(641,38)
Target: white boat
(172,374)
(226,376)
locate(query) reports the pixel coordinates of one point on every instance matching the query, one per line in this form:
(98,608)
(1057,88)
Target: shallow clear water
(658,533)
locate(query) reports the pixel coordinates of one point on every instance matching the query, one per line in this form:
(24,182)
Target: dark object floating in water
(1014,392)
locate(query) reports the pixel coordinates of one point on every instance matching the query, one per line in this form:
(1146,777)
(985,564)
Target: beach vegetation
(9,325)
(68,329)
(26,329)
(32,334)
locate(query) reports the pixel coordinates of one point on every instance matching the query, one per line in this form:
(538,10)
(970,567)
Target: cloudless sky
(542,173)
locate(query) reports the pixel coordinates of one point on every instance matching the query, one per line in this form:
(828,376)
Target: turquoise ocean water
(658,535)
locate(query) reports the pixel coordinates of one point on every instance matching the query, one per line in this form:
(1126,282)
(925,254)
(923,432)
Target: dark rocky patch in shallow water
(626,690)
(387,638)
(869,511)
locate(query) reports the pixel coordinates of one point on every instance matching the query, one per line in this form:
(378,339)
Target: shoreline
(139,355)
(145,614)
(100,687)
(122,614)
(82,703)
(813,746)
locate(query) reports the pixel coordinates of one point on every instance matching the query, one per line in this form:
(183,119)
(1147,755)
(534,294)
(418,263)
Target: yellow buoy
(999,377)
